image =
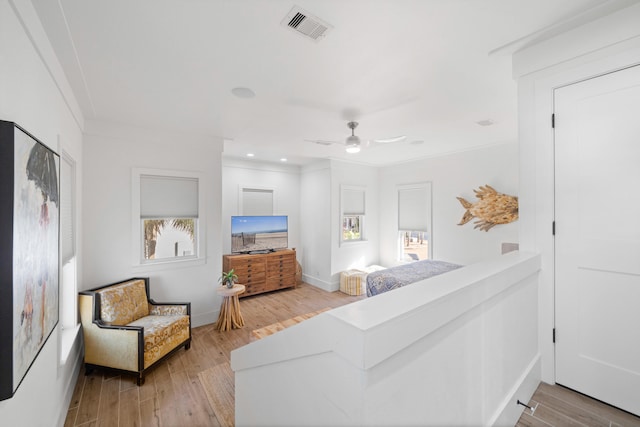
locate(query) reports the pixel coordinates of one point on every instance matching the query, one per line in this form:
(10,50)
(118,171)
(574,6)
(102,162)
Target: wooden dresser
(263,272)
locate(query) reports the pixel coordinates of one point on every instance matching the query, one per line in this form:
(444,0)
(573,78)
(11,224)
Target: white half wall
(35,94)
(456,349)
(111,152)
(451,176)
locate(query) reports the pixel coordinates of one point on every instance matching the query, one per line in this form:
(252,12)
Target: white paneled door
(597,200)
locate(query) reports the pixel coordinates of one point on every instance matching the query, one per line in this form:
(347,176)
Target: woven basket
(298,273)
(352,282)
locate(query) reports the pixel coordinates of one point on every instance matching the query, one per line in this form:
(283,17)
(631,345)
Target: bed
(402,275)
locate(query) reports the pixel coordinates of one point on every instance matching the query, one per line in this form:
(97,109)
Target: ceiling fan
(353,142)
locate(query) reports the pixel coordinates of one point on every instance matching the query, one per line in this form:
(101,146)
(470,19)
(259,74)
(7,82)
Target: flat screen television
(259,234)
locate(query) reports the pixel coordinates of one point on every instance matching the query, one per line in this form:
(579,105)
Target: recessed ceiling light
(250,154)
(284,159)
(487,122)
(243,92)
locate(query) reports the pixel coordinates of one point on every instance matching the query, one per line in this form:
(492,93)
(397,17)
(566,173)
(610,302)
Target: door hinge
(553,228)
(553,121)
(554,335)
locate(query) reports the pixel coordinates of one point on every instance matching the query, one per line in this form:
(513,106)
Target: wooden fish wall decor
(492,209)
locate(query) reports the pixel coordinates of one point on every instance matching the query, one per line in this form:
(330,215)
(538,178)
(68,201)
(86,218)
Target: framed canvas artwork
(29,251)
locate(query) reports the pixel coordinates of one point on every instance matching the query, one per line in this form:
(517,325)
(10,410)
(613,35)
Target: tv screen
(259,233)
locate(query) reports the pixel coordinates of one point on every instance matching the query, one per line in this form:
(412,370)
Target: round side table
(230,316)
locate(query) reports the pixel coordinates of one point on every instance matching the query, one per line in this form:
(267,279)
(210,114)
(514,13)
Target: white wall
(315,223)
(451,176)
(283,179)
(35,94)
(110,154)
(318,185)
(603,46)
(460,351)
(324,255)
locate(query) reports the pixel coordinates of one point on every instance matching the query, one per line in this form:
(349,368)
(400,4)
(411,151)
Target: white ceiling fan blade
(390,140)
(324,142)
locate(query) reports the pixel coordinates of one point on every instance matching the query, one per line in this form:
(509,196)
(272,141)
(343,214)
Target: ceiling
(426,69)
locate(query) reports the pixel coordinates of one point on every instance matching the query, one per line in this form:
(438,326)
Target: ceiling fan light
(353,144)
(352,149)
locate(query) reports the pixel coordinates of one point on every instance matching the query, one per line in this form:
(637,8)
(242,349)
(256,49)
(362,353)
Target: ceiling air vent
(304,23)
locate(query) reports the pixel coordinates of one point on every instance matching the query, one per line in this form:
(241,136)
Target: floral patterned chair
(126,331)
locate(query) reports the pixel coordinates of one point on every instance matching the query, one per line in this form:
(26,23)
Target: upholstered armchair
(126,331)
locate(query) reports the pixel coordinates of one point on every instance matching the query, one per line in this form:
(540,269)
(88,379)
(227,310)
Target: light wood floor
(560,406)
(174,396)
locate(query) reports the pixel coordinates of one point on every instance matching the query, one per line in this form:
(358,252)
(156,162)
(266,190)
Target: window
(168,238)
(414,222)
(414,245)
(353,211)
(256,201)
(351,227)
(168,216)
(68,281)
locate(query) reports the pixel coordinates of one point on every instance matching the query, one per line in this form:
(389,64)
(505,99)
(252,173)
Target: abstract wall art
(29,251)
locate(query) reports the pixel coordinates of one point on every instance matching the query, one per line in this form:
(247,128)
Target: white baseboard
(204,318)
(508,412)
(324,285)
(71,383)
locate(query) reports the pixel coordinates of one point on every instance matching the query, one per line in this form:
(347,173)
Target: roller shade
(67,237)
(413,209)
(257,202)
(168,197)
(353,202)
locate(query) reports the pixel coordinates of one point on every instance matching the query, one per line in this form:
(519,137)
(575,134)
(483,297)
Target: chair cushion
(123,303)
(162,334)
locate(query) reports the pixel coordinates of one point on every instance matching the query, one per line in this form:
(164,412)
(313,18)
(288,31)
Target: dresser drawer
(281,267)
(278,282)
(263,272)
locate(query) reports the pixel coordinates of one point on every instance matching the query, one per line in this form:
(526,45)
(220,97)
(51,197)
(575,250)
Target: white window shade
(168,197)
(66,210)
(257,201)
(414,209)
(353,202)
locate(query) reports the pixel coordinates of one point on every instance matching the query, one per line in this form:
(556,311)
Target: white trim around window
(256,200)
(137,237)
(415,210)
(68,292)
(353,207)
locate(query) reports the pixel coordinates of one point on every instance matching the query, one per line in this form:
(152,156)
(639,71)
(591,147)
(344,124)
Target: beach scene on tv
(258,233)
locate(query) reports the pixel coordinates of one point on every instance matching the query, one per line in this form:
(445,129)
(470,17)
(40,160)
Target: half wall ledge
(452,352)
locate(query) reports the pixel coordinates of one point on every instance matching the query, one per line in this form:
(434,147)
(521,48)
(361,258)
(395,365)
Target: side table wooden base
(230,316)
